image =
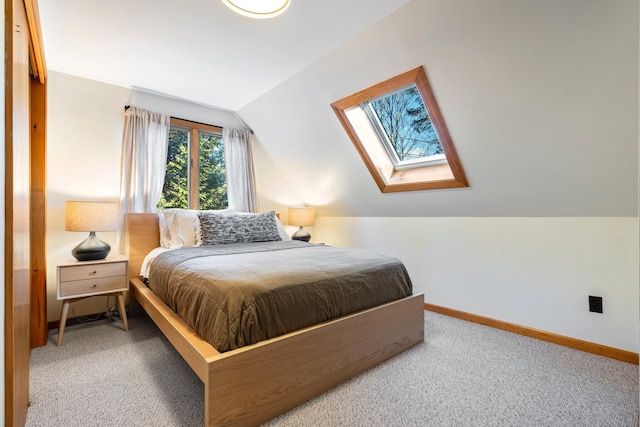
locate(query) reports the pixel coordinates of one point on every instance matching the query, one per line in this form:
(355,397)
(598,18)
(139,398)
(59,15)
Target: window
(195,176)
(397,128)
(405,128)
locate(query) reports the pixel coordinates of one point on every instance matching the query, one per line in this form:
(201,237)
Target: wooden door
(17,177)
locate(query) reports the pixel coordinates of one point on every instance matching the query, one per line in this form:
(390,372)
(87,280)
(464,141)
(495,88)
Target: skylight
(405,128)
(397,128)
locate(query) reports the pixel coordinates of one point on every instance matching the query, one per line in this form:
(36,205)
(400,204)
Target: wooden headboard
(142,234)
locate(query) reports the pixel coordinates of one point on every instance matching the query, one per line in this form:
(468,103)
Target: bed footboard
(262,381)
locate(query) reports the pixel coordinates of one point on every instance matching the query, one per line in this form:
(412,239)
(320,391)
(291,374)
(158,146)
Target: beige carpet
(463,375)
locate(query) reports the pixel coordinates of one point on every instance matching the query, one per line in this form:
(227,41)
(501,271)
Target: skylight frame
(369,144)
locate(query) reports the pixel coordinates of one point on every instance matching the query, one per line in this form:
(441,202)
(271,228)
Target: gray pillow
(219,229)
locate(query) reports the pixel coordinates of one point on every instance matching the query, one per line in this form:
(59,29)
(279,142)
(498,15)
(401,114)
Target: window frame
(194,129)
(388,176)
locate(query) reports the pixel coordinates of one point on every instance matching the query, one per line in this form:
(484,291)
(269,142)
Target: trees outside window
(402,117)
(195,177)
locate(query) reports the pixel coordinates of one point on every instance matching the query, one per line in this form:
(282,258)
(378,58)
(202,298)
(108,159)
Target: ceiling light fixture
(260,9)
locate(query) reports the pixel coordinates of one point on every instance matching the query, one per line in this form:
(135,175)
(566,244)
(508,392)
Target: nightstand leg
(63,321)
(123,312)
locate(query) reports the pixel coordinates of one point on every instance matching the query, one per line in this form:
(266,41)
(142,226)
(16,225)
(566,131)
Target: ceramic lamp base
(301,234)
(91,249)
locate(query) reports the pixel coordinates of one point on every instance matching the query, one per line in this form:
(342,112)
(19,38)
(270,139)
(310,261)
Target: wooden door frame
(38,326)
(38,113)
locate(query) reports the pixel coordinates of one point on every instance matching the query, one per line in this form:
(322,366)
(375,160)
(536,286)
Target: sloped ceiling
(197,50)
(540,96)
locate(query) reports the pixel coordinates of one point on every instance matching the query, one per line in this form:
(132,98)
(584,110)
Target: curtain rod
(126,107)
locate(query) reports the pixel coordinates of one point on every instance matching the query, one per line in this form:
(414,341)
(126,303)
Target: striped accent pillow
(219,229)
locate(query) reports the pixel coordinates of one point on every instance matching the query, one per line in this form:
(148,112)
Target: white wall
(536,272)
(84,138)
(541,100)
(539,96)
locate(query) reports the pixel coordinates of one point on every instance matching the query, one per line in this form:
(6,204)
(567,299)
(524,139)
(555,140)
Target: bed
(256,382)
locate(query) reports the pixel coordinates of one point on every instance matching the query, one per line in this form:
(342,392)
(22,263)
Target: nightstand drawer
(93,286)
(92,271)
(78,280)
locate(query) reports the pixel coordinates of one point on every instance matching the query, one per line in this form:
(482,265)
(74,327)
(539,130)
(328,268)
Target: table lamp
(301,217)
(91,217)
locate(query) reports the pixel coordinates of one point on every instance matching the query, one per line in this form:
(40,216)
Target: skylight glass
(405,128)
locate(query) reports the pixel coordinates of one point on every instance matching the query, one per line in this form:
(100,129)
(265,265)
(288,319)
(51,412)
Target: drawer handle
(95,286)
(94,272)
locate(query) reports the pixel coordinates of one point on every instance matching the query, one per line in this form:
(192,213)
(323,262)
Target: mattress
(238,294)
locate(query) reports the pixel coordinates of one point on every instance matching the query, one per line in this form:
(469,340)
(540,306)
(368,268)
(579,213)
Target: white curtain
(241,186)
(145,141)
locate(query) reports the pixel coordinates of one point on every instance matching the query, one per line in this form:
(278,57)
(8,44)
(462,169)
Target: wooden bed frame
(253,384)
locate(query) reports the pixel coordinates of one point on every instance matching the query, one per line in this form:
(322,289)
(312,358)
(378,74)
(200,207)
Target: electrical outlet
(595,304)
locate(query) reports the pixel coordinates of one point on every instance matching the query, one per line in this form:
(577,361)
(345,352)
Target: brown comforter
(238,294)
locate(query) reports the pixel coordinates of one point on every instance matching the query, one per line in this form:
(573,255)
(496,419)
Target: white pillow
(179,228)
(165,239)
(282,231)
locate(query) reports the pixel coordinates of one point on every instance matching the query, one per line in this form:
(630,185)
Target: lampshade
(302,216)
(91,216)
(260,9)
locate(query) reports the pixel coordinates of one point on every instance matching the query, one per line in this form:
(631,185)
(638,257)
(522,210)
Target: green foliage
(212,186)
(175,189)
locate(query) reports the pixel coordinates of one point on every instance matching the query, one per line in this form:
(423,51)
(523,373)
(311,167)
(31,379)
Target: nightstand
(82,279)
